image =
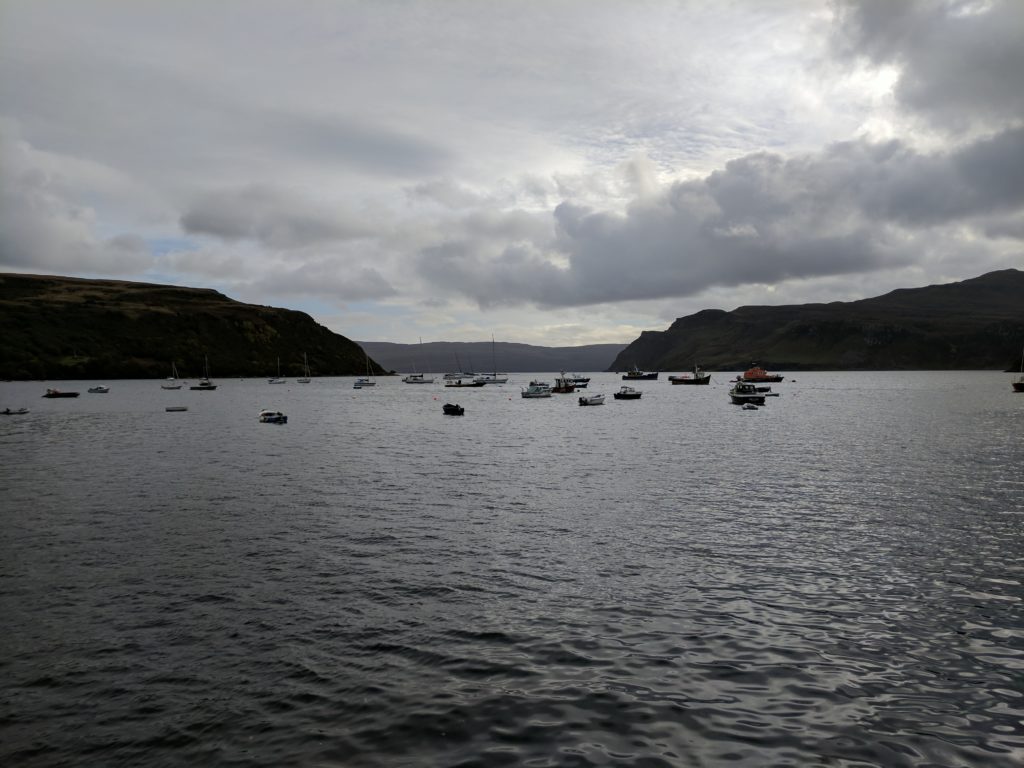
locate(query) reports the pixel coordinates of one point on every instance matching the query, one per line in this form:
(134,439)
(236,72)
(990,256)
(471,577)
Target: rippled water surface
(831,580)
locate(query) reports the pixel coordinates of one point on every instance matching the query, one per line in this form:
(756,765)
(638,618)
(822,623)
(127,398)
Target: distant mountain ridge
(72,328)
(480,357)
(972,324)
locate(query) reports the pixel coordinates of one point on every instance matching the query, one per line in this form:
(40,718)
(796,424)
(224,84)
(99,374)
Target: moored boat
(362,381)
(537,389)
(14,411)
(176,408)
(52,393)
(453,409)
(418,378)
(592,400)
(1018,385)
(743,393)
(563,384)
(637,375)
(464,383)
(579,381)
(627,392)
(172,380)
(205,384)
(99,389)
(699,377)
(273,417)
(758,375)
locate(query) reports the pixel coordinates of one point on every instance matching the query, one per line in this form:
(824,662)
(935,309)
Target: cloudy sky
(551,172)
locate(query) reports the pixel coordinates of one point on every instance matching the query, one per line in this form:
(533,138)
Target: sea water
(834,579)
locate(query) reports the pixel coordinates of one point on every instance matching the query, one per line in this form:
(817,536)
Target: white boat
(304,379)
(273,417)
(592,400)
(418,378)
(464,375)
(99,389)
(277,379)
(367,380)
(537,389)
(580,382)
(172,380)
(494,377)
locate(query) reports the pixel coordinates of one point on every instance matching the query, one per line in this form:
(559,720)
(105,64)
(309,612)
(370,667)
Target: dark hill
(973,324)
(70,328)
(441,356)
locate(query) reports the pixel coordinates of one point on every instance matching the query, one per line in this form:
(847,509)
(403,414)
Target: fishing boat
(205,385)
(304,379)
(52,393)
(592,400)
(579,381)
(743,393)
(277,379)
(699,377)
(1018,385)
(563,384)
(627,393)
(453,409)
(172,380)
(537,389)
(758,375)
(636,375)
(99,389)
(273,417)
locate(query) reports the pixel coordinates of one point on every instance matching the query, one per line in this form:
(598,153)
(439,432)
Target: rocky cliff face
(64,328)
(974,324)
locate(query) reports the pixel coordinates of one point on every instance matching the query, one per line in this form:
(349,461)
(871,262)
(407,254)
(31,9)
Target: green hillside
(973,324)
(69,328)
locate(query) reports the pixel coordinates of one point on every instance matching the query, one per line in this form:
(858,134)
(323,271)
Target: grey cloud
(960,63)
(42,231)
(327,279)
(852,208)
(269,216)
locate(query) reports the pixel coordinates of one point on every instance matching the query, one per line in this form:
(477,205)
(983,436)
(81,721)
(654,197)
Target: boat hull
(1018,386)
(52,395)
(450,409)
(626,396)
(690,380)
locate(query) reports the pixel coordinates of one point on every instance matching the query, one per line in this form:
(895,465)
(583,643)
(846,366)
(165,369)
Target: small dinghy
(273,417)
(176,408)
(453,409)
(592,400)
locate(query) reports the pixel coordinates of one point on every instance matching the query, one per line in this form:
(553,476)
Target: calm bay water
(832,580)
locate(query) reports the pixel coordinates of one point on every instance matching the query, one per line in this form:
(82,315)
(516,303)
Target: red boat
(759,375)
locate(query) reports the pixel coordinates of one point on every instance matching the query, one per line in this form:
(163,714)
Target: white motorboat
(492,378)
(580,382)
(592,400)
(537,389)
(273,417)
(99,389)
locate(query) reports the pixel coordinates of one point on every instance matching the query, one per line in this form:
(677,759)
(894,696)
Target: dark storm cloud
(960,62)
(267,216)
(764,218)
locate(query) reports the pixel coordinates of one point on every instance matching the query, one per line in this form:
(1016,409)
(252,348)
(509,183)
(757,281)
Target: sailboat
(277,379)
(366,381)
(1018,385)
(205,384)
(305,370)
(494,377)
(417,378)
(172,380)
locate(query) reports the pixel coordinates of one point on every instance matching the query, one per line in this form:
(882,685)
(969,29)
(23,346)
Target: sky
(556,172)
